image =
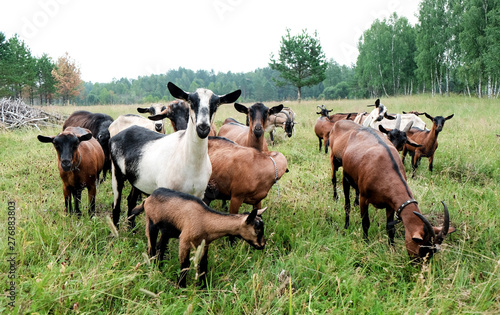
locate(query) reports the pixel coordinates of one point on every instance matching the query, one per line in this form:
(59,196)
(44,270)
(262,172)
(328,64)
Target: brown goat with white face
(80,160)
(372,166)
(427,140)
(241,174)
(183,216)
(253,135)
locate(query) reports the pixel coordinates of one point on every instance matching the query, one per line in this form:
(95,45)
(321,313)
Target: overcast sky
(115,39)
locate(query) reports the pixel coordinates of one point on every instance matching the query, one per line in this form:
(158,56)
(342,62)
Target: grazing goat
(398,136)
(324,124)
(284,119)
(427,139)
(372,166)
(182,216)
(253,135)
(179,161)
(241,174)
(80,160)
(98,125)
(154,109)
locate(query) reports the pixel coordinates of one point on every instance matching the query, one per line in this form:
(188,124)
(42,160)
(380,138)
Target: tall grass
(311,264)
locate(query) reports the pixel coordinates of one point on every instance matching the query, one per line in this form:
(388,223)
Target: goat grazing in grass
(80,160)
(427,139)
(253,135)
(98,125)
(284,119)
(179,161)
(324,124)
(241,174)
(182,216)
(372,166)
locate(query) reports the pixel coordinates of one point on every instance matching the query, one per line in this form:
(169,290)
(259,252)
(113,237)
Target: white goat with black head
(178,161)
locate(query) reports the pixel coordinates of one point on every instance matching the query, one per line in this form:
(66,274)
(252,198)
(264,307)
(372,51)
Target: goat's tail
(137,210)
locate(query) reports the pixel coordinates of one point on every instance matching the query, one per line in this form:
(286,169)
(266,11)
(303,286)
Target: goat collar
(398,212)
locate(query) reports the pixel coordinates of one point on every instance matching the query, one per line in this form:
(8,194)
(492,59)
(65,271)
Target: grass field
(311,264)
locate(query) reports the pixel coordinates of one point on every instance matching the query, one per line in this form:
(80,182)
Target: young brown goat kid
(427,140)
(183,216)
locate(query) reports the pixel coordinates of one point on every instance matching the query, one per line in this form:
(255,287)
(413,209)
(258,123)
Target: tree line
(452,49)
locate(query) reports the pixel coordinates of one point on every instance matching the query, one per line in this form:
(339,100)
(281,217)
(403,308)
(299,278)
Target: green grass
(311,264)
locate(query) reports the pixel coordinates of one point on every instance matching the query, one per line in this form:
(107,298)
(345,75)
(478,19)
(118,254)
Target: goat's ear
(377,102)
(177,92)
(45,139)
(275,109)
(449,117)
(251,217)
(413,144)
(382,129)
(429,116)
(417,237)
(85,137)
(261,211)
(230,97)
(160,116)
(389,116)
(241,108)
(143,110)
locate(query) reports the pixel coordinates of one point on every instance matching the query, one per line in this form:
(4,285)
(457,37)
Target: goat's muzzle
(158,127)
(66,165)
(203,130)
(436,240)
(258,131)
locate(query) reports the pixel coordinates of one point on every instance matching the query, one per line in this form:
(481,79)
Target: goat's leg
(272,137)
(162,246)
(390,227)
(77,196)
(131,203)
(68,207)
(347,206)
(152,235)
(92,192)
(431,159)
(327,144)
(356,199)
(184,261)
(117,185)
(403,154)
(202,279)
(335,167)
(320,143)
(365,219)
(235,204)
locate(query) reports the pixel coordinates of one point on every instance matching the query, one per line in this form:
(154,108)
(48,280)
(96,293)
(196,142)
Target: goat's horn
(446,225)
(408,126)
(430,229)
(398,122)
(319,107)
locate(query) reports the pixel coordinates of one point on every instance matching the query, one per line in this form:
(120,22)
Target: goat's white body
(125,121)
(405,119)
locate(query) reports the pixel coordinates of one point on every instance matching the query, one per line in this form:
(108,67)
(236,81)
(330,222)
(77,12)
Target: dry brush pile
(16,114)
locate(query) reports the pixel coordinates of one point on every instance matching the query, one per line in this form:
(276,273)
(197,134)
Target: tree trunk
(299,93)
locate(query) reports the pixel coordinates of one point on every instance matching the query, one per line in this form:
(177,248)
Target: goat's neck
(218,225)
(254,142)
(431,137)
(196,148)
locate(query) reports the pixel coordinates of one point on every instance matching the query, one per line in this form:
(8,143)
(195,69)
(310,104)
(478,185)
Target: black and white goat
(178,161)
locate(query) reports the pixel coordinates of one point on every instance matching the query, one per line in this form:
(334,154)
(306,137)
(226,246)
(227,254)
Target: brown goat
(427,140)
(183,216)
(324,124)
(372,166)
(253,135)
(80,160)
(241,174)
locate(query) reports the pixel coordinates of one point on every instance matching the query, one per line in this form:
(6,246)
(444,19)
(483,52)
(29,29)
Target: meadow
(311,264)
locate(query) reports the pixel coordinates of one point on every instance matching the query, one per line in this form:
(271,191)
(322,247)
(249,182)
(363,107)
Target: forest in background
(454,48)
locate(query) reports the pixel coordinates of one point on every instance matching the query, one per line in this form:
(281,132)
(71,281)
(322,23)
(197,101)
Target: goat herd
(184,171)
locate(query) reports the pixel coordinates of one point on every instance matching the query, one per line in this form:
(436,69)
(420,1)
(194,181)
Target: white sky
(115,39)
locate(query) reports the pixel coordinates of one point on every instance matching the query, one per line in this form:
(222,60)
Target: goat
(182,216)
(98,125)
(427,139)
(241,174)
(179,161)
(372,166)
(389,121)
(377,114)
(398,136)
(152,110)
(251,136)
(80,160)
(284,119)
(324,124)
